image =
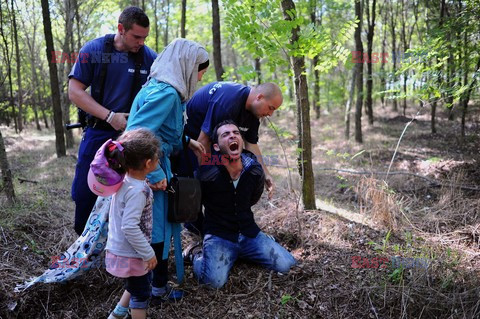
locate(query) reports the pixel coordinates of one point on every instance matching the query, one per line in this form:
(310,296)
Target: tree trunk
(316,74)
(183,21)
(258,70)
(69,18)
(217,44)
(394,56)
(155,19)
(42,92)
(57,109)
(435,99)
(383,58)
(348,107)
(9,69)
(359,71)
(77,20)
(6,173)
(301,97)
(466,95)
(371,29)
(167,14)
(19,73)
(33,63)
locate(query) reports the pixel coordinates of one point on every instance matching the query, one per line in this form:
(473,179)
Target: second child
(128,251)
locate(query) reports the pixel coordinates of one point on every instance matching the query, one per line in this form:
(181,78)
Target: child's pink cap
(103,180)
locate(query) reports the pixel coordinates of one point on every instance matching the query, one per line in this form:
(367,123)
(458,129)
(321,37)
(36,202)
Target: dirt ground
(427,208)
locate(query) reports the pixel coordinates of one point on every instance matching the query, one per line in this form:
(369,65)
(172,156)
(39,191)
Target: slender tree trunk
(217,42)
(359,78)
(316,89)
(348,107)
(258,70)
(6,173)
(394,56)
(78,45)
(69,19)
(31,48)
(19,73)
(383,58)
(438,80)
(183,21)
(371,29)
(405,48)
(155,19)
(9,69)
(316,74)
(167,14)
(42,92)
(305,140)
(466,95)
(57,109)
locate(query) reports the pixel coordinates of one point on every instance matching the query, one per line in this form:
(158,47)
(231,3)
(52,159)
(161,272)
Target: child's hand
(159,186)
(151,263)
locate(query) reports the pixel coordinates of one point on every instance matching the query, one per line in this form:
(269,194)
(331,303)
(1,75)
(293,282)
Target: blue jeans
(212,266)
(140,290)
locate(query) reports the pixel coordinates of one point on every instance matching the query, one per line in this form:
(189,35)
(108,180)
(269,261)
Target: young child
(128,251)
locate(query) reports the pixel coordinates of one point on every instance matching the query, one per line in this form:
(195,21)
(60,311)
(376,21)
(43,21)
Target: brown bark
(301,97)
(382,59)
(155,19)
(394,55)
(6,173)
(359,73)
(348,107)
(183,21)
(19,73)
(9,68)
(217,44)
(33,63)
(435,100)
(316,74)
(167,14)
(371,29)
(466,96)
(57,109)
(258,70)
(68,48)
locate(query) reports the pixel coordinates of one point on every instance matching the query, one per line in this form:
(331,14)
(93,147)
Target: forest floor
(352,251)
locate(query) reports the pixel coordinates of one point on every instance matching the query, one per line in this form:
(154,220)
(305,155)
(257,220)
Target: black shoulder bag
(184,194)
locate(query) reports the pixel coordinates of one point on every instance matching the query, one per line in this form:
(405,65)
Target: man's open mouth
(233,146)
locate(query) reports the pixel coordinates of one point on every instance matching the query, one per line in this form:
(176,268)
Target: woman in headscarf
(160,107)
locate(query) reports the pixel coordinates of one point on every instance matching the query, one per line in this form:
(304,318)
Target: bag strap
(138,57)
(186,156)
(108,49)
(106,59)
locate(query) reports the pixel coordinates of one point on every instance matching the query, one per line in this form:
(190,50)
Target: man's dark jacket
(228,209)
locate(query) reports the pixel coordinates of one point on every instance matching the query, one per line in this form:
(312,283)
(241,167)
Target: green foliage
(259,29)
(396,276)
(285,299)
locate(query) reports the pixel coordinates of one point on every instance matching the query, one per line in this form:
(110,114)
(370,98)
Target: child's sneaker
(113,315)
(170,294)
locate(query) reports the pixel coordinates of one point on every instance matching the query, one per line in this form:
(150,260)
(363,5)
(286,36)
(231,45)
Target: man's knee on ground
(214,281)
(283,265)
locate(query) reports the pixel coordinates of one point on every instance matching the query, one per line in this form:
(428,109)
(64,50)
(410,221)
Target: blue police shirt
(120,73)
(219,101)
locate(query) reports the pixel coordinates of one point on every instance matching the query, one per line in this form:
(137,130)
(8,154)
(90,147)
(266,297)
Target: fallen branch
(23,180)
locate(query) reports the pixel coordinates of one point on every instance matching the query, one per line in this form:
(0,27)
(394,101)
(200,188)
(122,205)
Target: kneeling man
(229,190)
